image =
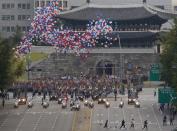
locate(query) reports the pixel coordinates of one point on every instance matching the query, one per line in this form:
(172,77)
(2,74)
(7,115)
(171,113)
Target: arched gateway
(104,67)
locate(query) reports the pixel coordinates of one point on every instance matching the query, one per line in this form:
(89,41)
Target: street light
(120,47)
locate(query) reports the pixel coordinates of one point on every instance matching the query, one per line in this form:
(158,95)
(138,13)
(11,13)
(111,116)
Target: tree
(6,55)
(10,66)
(169,57)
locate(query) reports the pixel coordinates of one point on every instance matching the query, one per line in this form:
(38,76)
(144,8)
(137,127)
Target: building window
(8,6)
(28,17)
(12,17)
(23,17)
(19,6)
(12,6)
(175,8)
(65,4)
(7,17)
(12,29)
(4,29)
(19,17)
(23,6)
(28,6)
(37,4)
(3,6)
(8,28)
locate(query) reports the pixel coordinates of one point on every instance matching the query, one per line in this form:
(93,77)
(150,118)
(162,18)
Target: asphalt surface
(148,111)
(56,119)
(36,119)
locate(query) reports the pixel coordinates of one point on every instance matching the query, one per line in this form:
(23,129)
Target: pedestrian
(171,121)
(106,124)
(164,120)
(3,102)
(42,101)
(155,92)
(122,124)
(145,125)
(132,125)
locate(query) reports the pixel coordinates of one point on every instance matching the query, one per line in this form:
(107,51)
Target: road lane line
(123,112)
(4,122)
(20,123)
(139,114)
(37,123)
(53,126)
(74,122)
(108,115)
(90,128)
(156,118)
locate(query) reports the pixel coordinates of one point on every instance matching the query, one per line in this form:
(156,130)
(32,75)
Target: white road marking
(37,123)
(99,114)
(50,113)
(117,122)
(156,118)
(123,111)
(5,121)
(53,126)
(20,123)
(139,114)
(108,114)
(90,127)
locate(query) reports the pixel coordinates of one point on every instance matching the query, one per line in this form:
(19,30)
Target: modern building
(20,12)
(15,13)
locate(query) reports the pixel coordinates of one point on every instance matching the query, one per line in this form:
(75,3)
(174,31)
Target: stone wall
(60,64)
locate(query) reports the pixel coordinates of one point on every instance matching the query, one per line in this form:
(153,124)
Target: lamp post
(120,47)
(28,68)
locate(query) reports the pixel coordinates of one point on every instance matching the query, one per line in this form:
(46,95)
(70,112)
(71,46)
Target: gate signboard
(167,95)
(155,72)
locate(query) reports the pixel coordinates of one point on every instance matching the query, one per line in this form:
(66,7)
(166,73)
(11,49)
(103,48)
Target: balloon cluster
(100,29)
(43,28)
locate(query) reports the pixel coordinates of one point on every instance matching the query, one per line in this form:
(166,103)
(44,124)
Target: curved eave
(92,11)
(158,19)
(133,35)
(164,14)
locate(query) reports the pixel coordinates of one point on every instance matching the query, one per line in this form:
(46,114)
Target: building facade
(15,13)
(20,12)
(169,5)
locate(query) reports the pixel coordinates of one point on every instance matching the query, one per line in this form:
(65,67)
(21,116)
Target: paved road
(114,115)
(56,119)
(36,119)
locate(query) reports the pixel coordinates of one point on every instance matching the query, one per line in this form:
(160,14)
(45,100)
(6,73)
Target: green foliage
(10,67)
(6,62)
(36,56)
(169,57)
